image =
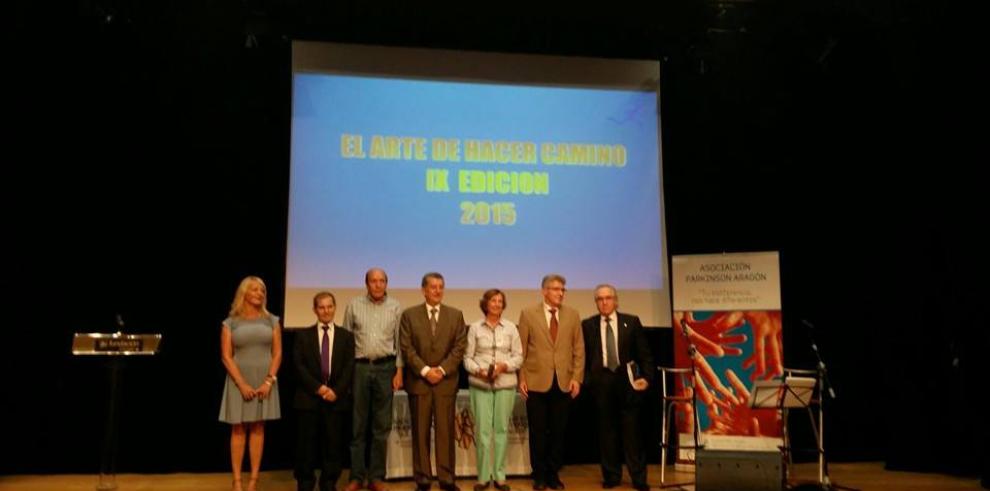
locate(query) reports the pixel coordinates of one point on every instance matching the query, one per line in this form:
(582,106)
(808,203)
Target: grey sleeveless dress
(253,355)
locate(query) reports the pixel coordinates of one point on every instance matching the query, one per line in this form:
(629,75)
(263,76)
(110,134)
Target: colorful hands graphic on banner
(711,335)
(721,339)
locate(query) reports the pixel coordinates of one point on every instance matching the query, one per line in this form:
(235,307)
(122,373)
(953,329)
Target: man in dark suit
(613,340)
(324,361)
(433,338)
(552,372)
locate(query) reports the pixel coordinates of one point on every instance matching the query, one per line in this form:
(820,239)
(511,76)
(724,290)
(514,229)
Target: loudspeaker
(722,470)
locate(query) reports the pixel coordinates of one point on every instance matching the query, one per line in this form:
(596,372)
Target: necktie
(611,357)
(325,354)
(553,325)
(433,321)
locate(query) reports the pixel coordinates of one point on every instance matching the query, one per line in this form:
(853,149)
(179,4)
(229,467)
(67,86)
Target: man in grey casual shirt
(374,320)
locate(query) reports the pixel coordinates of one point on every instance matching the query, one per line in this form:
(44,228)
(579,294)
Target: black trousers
(320,439)
(618,425)
(547,413)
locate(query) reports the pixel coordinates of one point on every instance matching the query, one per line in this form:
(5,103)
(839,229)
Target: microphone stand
(826,388)
(692,352)
(108,454)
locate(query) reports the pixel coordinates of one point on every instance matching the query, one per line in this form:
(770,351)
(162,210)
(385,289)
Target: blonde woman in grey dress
(251,351)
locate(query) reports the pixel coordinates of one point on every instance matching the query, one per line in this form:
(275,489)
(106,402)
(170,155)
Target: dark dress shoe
(539,485)
(449,487)
(328,484)
(422,486)
(610,484)
(555,483)
(503,487)
(481,486)
(641,487)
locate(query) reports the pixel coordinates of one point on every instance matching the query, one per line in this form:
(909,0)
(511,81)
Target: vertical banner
(728,307)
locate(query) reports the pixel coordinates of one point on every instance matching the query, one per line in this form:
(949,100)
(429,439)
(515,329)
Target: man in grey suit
(433,338)
(552,373)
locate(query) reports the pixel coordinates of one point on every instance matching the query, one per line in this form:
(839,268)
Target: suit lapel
(335,350)
(563,329)
(541,315)
(419,318)
(442,314)
(314,346)
(623,336)
(595,342)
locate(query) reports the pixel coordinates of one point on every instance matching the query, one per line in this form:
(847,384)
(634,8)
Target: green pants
(492,410)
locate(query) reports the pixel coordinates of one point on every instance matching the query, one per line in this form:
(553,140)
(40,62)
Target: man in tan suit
(433,338)
(552,373)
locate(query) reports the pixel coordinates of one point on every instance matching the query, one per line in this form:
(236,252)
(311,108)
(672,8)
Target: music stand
(793,392)
(790,392)
(115,346)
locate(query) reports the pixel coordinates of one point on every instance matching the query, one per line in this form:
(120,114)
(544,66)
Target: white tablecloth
(398,462)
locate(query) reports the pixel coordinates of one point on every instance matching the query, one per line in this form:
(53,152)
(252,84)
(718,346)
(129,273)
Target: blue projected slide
(492,185)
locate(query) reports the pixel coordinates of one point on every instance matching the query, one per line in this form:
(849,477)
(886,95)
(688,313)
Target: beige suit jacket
(542,357)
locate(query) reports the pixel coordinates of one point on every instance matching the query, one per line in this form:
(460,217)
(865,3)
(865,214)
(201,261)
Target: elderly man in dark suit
(433,338)
(324,360)
(552,372)
(612,341)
